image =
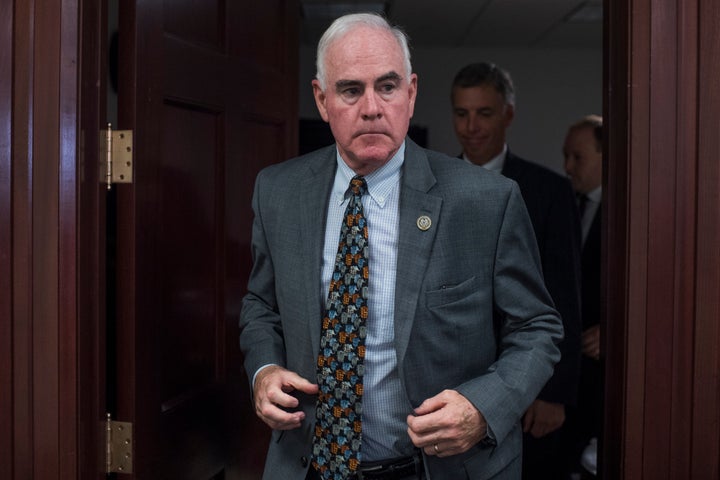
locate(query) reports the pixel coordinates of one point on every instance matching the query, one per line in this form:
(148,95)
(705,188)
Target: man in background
(583,163)
(483,102)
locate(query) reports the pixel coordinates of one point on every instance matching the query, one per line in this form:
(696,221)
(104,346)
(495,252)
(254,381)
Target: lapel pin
(423,222)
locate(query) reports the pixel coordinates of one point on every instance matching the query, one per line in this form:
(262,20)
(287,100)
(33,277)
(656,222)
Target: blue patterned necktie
(338,431)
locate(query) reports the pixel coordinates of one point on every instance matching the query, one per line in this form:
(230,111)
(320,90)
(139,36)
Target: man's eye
(351,92)
(387,87)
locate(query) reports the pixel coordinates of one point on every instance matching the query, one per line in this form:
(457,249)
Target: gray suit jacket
(471,310)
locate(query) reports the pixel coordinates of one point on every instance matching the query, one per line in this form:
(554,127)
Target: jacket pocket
(449,294)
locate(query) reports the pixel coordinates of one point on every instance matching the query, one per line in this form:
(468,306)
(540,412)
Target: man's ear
(412,93)
(320,99)
(509,114)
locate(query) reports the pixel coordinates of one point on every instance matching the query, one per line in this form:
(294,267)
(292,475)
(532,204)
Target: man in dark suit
(446,332)
(483,101)
(583,163)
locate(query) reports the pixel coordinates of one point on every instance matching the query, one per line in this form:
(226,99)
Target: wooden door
(209,89)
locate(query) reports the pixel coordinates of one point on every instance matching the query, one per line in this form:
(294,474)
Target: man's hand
(272,389)
(543,417)
(591,342)
(446,424)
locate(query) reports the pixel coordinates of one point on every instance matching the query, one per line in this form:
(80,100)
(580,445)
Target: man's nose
(472,123)
(370,106)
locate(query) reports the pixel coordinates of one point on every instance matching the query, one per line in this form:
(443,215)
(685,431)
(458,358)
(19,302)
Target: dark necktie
(338,431)
(582,204)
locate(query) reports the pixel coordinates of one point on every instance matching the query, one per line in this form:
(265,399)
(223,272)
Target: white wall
(554,87)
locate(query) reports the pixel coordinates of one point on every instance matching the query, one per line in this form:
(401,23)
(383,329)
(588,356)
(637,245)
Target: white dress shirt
(495,164)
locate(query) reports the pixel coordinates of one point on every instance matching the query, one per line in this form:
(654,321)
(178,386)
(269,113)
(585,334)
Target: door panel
(188,254)
(204,85)
(196,21)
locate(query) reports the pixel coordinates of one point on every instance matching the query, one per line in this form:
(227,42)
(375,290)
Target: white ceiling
(479,23)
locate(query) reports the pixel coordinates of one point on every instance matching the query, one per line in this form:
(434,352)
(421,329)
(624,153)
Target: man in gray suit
(460,332)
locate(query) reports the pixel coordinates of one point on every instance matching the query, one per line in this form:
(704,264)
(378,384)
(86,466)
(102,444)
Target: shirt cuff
(259,370)
(489,439)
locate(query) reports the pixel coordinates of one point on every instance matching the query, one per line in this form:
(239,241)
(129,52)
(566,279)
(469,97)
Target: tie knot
(358,185)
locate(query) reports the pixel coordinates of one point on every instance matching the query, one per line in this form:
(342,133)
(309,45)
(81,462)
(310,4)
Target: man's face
(480,118)
(583,160)
(367,101)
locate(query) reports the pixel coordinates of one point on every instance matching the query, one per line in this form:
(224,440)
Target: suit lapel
(414,244)
(511,167)
(315,192)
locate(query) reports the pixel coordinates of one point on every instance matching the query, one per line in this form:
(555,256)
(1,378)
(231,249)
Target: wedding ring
(437,450)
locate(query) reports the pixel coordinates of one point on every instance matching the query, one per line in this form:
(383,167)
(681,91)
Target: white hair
(345,24)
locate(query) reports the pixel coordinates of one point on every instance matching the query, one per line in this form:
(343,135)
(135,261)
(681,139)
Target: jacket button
(304,461)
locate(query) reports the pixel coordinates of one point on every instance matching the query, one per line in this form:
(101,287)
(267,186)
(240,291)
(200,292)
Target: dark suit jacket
(591,273)
(471,309)
(585,420)
(591,383)
(551,204)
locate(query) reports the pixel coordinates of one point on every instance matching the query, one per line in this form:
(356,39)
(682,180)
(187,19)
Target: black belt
(394,469)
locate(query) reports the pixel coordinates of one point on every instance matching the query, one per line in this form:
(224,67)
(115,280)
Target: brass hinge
(118,156)
(118,446)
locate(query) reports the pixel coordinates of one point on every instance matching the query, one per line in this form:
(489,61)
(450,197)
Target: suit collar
(414,243)
(313,198)
(513,166)
(417,173)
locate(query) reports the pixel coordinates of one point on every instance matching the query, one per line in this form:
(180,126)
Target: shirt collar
(380,183)
(496,163)
(593,195)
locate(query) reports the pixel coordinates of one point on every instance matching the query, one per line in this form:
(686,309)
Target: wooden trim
(68,125)
(679,441)
(661,278)
(125,337)
(91,252)
(705,418)
(44,190)
(614,254)
(42,255)
(21,253)
(6,331)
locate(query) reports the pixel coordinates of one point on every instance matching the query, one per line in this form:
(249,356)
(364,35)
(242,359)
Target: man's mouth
(370,132)
(475,140)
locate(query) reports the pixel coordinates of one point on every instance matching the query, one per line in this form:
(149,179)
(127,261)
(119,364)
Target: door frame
(50,293)
(658,88)
(661,231)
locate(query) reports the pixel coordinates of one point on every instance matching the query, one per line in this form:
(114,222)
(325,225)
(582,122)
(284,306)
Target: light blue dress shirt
(385,404)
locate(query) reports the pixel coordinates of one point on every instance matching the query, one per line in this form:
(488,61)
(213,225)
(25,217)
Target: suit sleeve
(528,327)
(261,339)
